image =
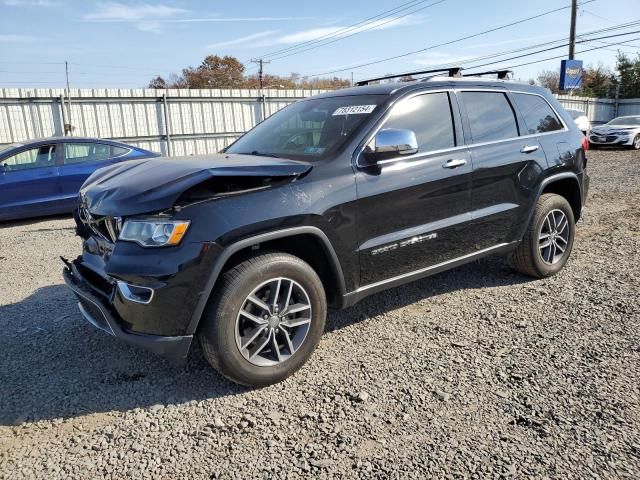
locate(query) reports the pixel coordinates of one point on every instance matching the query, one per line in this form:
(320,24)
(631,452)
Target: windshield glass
(625,121)
(575,113)
(308,129)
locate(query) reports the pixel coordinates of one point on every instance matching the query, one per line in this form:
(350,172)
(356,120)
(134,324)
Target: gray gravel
(474,373)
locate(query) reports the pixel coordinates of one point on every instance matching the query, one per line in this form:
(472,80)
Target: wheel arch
(322,259)
(565,184)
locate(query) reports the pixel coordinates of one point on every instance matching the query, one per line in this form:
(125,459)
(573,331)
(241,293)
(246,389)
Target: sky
(117,44)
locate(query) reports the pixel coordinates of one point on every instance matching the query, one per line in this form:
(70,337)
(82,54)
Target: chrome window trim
(463,145)
(386,117)
(128,151)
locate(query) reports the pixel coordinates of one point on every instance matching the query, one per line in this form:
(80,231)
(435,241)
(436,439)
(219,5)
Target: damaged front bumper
(96,307)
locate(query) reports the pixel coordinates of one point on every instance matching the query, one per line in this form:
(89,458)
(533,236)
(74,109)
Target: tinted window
(85,152)
(490,116)
(308,129)
(44,156)
(538,116)
(429,116)
(119,151)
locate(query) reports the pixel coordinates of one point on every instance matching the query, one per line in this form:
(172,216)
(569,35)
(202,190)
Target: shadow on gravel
(55,365)
(30,221)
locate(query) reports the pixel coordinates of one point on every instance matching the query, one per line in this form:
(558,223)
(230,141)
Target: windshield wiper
(260,154)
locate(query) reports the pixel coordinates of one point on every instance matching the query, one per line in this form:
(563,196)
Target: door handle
(529,148)
(454,163)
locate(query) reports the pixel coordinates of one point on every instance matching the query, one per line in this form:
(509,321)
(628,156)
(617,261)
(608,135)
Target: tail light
(585,143)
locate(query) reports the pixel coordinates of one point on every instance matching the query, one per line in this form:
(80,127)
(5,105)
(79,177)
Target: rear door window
(538,115)
(490,115)
(85,152)
(43,156)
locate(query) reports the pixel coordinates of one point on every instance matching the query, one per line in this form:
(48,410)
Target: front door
(413,212)
(29,183)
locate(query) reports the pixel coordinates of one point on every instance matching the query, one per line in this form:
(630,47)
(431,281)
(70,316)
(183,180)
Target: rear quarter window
(538,115)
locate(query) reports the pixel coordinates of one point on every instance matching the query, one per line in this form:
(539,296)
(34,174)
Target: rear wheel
(547,243)
(264,320)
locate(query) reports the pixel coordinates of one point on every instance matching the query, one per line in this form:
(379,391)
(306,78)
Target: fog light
(135,293)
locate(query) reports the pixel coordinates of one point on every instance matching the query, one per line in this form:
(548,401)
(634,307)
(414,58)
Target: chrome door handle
(454,163)
(529,148)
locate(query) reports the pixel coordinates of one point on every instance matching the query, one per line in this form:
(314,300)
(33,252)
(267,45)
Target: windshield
(308,129)
(625,121)
(575,113)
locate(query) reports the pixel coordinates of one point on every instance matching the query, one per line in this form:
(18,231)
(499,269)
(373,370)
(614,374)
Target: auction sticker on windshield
(354,109)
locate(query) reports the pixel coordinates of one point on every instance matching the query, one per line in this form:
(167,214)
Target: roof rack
(451,72)
(502,74)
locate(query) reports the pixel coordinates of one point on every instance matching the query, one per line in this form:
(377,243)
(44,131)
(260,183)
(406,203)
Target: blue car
(43,177)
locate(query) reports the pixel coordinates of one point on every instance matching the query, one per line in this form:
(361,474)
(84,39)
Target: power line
(467,37)
(553,58)
(378,16)
(372,25)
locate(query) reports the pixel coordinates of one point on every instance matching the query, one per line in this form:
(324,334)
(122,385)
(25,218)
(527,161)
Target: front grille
(611,138)
(107,228)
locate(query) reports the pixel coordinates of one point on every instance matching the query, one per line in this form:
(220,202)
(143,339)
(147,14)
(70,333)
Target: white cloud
(12,38)
(31,3)
(242,41)
(336,31)
(120,12)
(146,17)
(237,19)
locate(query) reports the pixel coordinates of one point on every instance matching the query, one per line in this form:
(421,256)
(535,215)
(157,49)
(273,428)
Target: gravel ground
(474,373)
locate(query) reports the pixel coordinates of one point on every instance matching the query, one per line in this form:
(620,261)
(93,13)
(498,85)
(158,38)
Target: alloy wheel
(273,322)
(553,238)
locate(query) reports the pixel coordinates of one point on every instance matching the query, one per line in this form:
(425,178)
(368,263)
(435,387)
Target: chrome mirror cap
(389,143)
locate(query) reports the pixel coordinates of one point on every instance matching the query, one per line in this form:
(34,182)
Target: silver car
(619,132)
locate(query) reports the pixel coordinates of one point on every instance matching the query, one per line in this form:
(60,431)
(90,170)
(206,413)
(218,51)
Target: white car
(621,131)
(581,119)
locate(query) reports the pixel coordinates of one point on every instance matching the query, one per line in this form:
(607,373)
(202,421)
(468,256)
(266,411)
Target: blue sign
(570,74)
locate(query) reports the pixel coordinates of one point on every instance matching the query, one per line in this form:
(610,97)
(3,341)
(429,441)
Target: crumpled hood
(154,184)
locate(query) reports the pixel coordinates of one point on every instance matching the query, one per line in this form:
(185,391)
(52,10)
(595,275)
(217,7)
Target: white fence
(174,122)
(601,110)
(181,122)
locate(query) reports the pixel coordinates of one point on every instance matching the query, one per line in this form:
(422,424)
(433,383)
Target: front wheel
(264,320)
(636,142)
(547,243)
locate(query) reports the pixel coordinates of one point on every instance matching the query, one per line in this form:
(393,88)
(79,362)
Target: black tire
(527,258)
(217,333)
(636,142)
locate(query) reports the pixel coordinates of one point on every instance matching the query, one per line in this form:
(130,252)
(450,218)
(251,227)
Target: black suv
(331,199)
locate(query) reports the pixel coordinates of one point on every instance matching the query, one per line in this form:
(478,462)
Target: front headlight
(154,233)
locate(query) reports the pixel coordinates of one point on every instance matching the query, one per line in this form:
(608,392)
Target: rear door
(29,182)
(506,167)
(413,211)
(81,159)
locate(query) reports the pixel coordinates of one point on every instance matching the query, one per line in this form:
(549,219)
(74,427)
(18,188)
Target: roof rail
(451,72)
(502,74)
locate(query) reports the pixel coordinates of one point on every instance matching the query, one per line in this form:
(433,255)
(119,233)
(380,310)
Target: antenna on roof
(451,72)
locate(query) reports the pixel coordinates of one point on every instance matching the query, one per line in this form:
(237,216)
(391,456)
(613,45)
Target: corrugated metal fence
(601,110)
(181,122)
(174,122)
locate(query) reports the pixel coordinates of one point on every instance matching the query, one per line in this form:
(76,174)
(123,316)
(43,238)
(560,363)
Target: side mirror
(389,143)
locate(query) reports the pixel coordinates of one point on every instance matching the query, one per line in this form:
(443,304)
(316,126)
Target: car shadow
(56,365)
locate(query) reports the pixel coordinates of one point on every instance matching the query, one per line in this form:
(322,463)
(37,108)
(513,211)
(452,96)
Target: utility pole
(67,126)
(260,63)
(572,31)
(263,100)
